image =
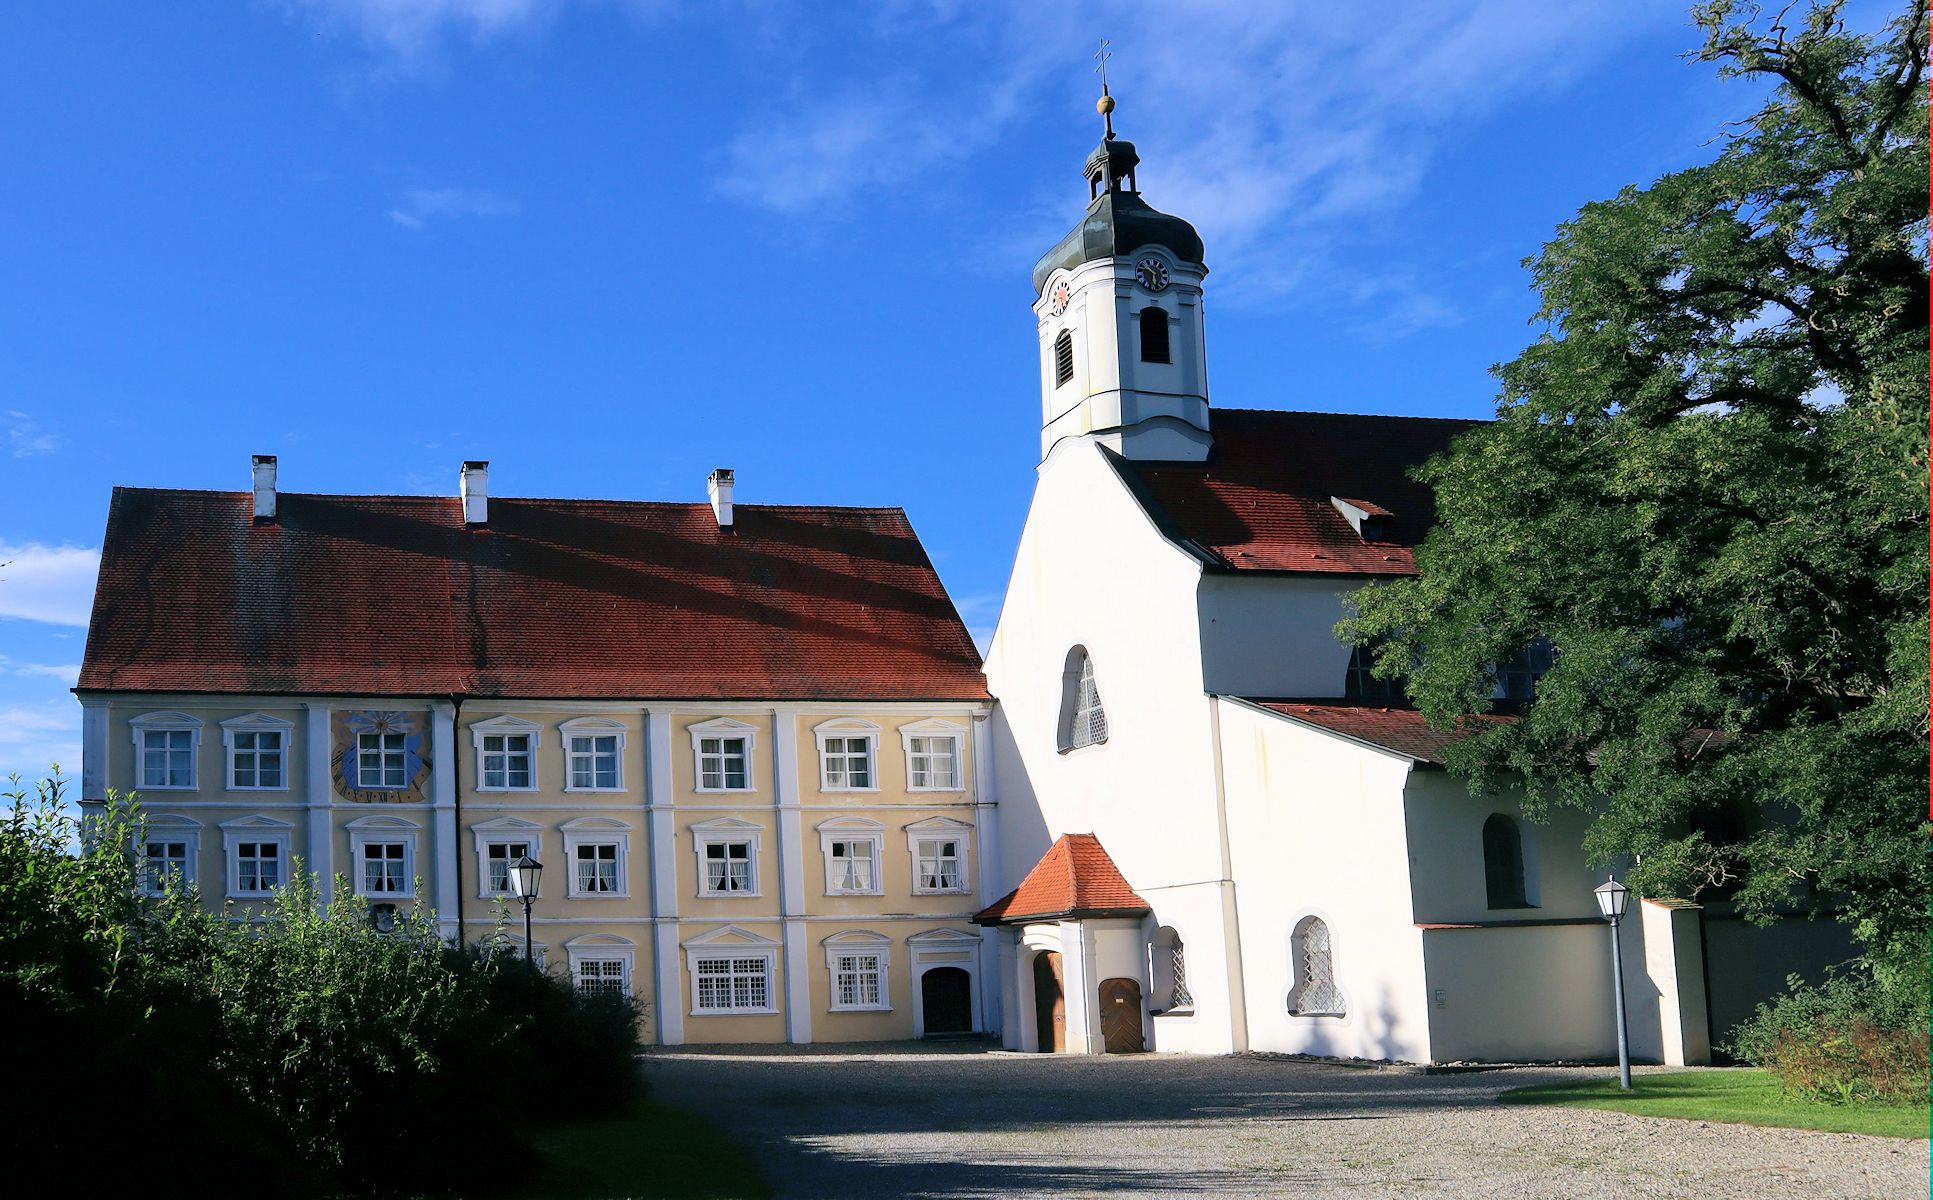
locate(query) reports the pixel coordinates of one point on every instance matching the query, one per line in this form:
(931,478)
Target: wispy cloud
(33,737)
(26,437)
(417,207)
(413,29)
(54,584)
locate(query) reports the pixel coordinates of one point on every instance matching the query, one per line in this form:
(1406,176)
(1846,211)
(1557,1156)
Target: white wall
(1272,635)
(1445,827)
(1316,827)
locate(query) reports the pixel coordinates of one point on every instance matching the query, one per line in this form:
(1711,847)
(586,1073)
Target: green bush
(293,1051)
(1845,1041)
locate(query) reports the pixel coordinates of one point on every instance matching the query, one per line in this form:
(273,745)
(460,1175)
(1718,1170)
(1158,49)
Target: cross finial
(1105,105)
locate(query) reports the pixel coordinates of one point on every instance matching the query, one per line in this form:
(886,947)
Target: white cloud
(417,207)
(47,583)
(26,438)
(67,673)
(33,737)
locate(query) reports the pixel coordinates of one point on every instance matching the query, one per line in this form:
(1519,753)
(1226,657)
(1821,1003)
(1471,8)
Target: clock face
(1153,274)
(1060,298)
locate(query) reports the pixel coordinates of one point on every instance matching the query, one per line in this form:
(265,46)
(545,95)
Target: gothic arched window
(1083,722)
(1063,358)
(1154,335)
(1313,966)
(1503,863)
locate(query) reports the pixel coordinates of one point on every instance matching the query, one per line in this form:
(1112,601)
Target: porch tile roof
(1075,878)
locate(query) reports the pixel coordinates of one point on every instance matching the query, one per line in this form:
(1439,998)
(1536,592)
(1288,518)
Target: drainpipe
(456,791)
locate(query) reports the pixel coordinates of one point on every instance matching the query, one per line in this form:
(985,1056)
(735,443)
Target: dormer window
(1063,358)
(1370,521)
(1154,335)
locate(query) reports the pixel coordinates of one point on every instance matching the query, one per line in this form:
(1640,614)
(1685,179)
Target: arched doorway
(1121,1016)
(946,1001)
(1050,1004)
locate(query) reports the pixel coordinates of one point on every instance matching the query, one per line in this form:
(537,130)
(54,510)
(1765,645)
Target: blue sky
(609,246)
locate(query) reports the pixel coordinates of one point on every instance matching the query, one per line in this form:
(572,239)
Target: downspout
(456,792)
(1231,912)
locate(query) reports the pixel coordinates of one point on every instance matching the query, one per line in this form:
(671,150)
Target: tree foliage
(1707,488)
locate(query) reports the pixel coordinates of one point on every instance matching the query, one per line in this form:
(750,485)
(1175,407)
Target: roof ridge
(1315,412)
(454,498)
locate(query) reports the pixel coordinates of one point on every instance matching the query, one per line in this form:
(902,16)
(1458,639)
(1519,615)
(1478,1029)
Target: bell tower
(1122,357)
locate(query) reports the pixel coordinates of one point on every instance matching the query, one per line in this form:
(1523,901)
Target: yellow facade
(790,829)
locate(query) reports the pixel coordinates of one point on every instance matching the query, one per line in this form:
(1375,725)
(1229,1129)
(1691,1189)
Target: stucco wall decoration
(379,757)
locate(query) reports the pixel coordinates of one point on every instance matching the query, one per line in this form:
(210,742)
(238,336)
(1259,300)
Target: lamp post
(526,874)
(1611,899)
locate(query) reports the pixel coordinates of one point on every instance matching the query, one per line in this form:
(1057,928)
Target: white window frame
(172,829)
(255,723)
(377,831)
(504,726)
(859,943)
(382,752)
(942,829)
(589,727)
(849,830)
(731,942)
(725,831)
(602,947)
(166,722)
(848,728)
(504,830)
(594,831)
(253,829)
(932,730)
(722,727)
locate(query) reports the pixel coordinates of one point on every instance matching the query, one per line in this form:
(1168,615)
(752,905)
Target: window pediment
(505,725)
(599,941)
(377,824)
(257,821)
(731,936)
(595,825)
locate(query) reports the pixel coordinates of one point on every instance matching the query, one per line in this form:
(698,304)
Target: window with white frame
(499,843)
(846,756)
(497,858)
(600,976)
(257,747)
(598,850)
(258,867)
(381,761)
(851,848)
(384,868)
(939,847)
(932,756)
(506,761)
(165,745)
(165,861)
(728,867)
(593,755)
(723,748)
(856,962)
(738,983)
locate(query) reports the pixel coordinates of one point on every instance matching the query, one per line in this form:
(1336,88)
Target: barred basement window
(600,976)
(1063,358)
(1315,993)
(1154,335)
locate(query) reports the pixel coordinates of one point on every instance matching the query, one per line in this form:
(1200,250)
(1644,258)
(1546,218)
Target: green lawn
(652,1152)
(1743,1097)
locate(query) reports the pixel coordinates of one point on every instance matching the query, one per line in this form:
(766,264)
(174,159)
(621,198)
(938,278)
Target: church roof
(1399,730)
(394,596)
(1263,500)
(1075,878)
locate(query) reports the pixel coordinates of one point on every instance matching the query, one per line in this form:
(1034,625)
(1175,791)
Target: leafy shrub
(1845,1041)
(311,1052)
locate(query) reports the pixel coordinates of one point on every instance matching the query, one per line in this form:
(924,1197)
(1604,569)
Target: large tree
(1707,490)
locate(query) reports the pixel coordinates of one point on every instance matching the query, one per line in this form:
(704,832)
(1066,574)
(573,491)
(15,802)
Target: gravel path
(867,1121)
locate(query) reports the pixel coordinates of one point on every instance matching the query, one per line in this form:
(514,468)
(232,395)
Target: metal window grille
(1089,724)
(1154,335)
(857,980)
(1181,998)
(597,976)
(728,984)
(1315,991)
(1063,358)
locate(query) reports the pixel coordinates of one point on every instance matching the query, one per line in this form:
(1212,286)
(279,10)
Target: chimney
(473,484)
(720,487)
(264,469)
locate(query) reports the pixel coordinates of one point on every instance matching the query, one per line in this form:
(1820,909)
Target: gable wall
(1272,635)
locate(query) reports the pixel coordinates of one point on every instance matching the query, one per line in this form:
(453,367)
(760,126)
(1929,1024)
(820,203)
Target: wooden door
(1050,1004)
(946,1001)
(1121,1016)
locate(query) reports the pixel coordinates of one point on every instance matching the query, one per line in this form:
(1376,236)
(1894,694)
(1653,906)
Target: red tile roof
(1075,878)
(392,595)
(1262,500)
(1402,730)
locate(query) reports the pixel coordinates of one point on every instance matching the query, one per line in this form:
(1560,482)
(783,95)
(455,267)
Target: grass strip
(1739,1097)
(650,1152)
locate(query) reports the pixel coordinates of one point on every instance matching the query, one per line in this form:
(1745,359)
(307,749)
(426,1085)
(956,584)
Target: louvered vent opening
(1154,335)
(1063,358)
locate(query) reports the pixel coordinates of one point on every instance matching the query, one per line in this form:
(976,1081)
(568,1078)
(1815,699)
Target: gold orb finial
(1104,105)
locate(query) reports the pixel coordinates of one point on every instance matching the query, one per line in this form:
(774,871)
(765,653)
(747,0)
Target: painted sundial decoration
(1060,296)
(379,757)
(1153,274)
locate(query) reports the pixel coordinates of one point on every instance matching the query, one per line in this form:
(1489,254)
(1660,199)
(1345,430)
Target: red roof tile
(392,595)
(1402,730)
(1075,878)
(1262,500)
